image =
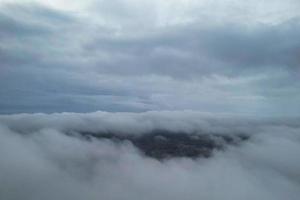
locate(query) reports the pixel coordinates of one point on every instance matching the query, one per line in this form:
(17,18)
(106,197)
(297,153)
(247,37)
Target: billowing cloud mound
(38,160)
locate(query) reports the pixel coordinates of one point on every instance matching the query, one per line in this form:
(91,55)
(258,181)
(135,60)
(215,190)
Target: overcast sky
(226,56)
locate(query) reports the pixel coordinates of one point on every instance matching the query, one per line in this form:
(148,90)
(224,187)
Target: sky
(229,56)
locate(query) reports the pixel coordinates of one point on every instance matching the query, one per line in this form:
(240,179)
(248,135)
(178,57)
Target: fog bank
(39,161)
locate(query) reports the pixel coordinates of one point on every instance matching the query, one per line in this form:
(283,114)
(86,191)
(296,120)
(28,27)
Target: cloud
(79,59)
(237,62)
(46,163)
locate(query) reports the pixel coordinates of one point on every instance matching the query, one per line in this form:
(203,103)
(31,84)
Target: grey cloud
(45,163)
(186,50)
(10,26)
(61,60)
(197,51)
(129,122)
(237,62)
(30,22)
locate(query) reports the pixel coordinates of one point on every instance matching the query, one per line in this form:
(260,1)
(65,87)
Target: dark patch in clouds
(161,144)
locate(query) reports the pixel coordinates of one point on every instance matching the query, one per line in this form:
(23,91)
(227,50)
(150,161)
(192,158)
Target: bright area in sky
(268,11)
(132,55)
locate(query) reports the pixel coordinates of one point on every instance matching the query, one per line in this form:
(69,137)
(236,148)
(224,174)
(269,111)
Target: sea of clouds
(39,161)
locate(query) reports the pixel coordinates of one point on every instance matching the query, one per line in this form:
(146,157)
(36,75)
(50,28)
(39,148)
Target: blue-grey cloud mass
(210,56)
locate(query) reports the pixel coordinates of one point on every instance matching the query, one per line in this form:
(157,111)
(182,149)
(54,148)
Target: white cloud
(46,164)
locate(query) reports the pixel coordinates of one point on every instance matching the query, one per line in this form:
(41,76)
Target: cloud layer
(82,56)
(235,61)
(39,161)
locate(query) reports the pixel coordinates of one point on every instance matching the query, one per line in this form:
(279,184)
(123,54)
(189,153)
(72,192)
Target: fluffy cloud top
(39,161)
